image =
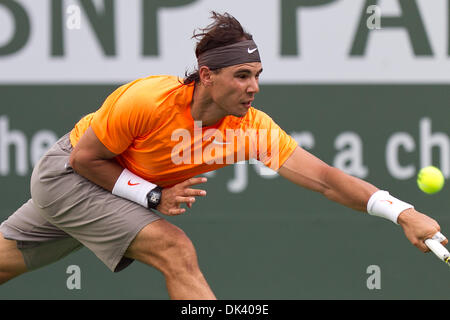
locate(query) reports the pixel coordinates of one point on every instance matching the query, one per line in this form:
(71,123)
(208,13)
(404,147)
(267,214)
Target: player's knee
(8,272)
(12,263)
(165,247)
(180,255)
(5,277)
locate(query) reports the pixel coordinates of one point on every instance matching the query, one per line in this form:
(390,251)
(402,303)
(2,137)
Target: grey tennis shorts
(67,212)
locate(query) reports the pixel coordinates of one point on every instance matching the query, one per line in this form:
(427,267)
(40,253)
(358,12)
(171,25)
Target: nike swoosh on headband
(237,53)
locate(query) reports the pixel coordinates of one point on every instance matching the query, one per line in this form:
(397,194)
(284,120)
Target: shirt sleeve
(124,115)
(275,146)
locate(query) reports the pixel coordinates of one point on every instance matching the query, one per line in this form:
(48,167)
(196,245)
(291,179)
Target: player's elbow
(74,161)
(79,160)
(329,176)
(320,182)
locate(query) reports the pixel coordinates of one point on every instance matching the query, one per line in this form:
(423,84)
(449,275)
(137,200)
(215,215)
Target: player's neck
(204,109)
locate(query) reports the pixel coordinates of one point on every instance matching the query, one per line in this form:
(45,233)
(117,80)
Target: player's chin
(244,107)
(240,114)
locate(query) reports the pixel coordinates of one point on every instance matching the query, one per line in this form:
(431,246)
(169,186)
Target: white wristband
(383,205)
(133,187)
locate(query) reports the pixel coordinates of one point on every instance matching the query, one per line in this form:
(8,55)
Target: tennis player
(102,184)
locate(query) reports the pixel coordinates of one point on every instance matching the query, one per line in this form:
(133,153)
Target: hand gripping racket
(434,244)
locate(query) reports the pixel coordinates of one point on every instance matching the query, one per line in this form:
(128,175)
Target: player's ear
(205,76)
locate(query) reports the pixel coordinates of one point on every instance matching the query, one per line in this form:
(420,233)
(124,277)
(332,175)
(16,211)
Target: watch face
(154,197)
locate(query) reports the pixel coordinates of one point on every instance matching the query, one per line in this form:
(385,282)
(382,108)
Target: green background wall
(273,240)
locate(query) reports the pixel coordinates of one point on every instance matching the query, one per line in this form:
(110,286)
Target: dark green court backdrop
(274,240)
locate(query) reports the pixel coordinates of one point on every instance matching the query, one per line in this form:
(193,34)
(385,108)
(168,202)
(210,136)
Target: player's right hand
(418,227)
(172,198)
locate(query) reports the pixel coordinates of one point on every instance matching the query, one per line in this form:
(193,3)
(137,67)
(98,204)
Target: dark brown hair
(223,31)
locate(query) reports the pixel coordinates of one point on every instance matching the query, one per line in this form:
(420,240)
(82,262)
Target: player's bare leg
(11,260)
(168,249)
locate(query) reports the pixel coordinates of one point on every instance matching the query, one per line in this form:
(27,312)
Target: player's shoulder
(155,86)
(158,88)
(161,81)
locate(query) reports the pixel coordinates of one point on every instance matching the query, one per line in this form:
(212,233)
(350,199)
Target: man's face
(234,88)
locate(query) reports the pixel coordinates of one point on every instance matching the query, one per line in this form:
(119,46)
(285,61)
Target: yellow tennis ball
(430,180)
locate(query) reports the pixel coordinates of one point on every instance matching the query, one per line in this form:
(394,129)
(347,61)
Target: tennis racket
(434,244)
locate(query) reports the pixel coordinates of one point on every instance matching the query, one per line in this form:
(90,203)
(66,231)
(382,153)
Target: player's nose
(253,86)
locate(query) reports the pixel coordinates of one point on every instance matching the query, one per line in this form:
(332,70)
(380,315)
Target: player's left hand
(172,198)
(418,227)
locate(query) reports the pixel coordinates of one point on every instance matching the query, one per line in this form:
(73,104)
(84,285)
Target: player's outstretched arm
(418,227)
(306,170)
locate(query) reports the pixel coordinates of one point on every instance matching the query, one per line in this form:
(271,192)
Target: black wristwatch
(154,197)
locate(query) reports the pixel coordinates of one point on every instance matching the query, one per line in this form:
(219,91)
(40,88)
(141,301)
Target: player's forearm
(346,189)
(306,170)
(103,172)
(92,160)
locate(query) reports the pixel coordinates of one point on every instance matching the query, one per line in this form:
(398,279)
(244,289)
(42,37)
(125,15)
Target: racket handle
(439,250)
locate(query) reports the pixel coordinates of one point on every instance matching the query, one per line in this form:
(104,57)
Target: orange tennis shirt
(148,124)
